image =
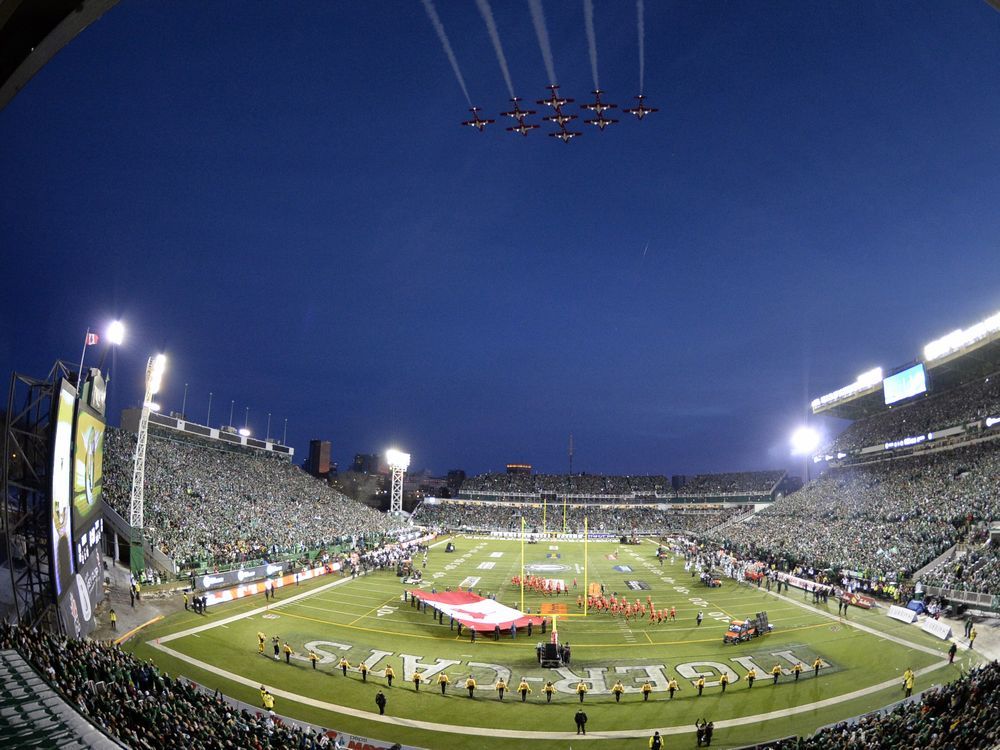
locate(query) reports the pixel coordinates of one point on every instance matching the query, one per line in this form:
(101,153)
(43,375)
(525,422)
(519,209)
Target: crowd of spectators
(621,520)
(977,571)
(879,520)
(597,485)
(143,708)
(962,714)
(212,507)
(967,403)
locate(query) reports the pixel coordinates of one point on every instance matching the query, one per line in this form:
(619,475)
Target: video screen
(910,382)
(62,456)
(88,465)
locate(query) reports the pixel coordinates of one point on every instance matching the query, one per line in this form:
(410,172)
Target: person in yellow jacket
(313,658)
(816,665)
(797,670)
(263,692)
(908,684)
(268,701)
(470,685)
(443,680)
(523,688)
(581,690)
(549,689)
(344,665)
(389,674)
(288,653)
(775,673)
(907,675)
(501,686)
(751,676)
(724,681)
(617,689)
(363,668)
(113,616)
(700,684)
(417,679)
(646,688)
(260,642)
(672,687)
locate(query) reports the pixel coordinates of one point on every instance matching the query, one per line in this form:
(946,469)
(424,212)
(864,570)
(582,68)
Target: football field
(367,620)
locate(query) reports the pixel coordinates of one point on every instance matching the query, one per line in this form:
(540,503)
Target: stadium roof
(33,31)
(978,359)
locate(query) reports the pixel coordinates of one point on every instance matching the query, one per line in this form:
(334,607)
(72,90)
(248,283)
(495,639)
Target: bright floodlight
(159,365)
(152,406)
(245,432)
(805,441)
(397,459)
(116,333)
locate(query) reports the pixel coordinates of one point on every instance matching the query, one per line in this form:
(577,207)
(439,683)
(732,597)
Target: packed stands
(598,485)
(961,714)
(978,571)
(208,506)
(143,708)
(879,519)
(620,520)
(967,403)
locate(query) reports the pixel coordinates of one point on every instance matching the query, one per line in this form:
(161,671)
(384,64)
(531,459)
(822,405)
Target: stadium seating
(967,403)
(206,506)
(961,714)
(878,520)
(978,571)
(597,485)
(620,520)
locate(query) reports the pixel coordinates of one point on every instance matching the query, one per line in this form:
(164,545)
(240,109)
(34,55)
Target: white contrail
(588,17)
(538,19)
(640,9)
(491,26)
(439,28)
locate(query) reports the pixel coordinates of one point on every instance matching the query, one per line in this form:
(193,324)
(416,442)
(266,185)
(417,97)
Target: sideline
(266,608)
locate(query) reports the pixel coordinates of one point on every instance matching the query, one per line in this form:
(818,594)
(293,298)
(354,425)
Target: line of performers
(629,610)
(543,586)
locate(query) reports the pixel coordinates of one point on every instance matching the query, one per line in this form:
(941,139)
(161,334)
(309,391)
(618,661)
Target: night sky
(280,197)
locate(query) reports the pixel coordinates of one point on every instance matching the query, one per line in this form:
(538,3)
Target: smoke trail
(439,28)
(640,9)
(491,26)
(588,17)
(538,19)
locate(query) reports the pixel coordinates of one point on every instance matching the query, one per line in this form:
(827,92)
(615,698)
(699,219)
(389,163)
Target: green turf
(367,614)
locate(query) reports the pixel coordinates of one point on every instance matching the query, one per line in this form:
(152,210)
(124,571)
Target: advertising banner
(238,577)
(936,628)
(902,614)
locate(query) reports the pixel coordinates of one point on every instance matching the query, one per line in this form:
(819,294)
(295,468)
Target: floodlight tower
(398,462)
(154,375)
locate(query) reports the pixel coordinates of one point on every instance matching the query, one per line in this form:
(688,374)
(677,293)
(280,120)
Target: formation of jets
(556,102)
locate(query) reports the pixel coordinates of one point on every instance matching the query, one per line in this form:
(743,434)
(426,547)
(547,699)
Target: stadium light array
(116,333)
(864,380)
(152,406)
(397,459)
(960,338)
(156,374)
(805,441)
(245,431)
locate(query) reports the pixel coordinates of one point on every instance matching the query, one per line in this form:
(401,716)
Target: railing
(969,598)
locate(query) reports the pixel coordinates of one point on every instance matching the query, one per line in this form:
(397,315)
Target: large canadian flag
(476,612)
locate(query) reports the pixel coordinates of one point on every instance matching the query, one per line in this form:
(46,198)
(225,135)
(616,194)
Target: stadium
(168,580)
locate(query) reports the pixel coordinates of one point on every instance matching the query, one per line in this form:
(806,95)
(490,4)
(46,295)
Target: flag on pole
(92,338)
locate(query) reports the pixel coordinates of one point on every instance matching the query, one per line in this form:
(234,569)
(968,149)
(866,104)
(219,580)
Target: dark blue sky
(279,196)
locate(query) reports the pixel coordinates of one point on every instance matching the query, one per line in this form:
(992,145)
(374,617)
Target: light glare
(116,332)
(805,440)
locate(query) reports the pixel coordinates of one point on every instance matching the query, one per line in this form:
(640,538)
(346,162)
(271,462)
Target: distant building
(455,479)
(367,463)
(318,463)
(521,469)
